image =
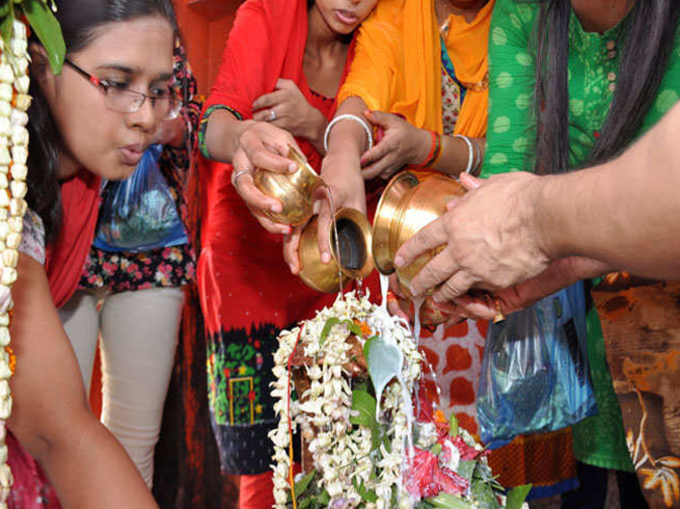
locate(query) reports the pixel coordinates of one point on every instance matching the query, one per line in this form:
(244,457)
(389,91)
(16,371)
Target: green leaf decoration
(6,23)
(384,363)
(328,326)
(303,483)
(466,468)
(448,501)
(453,426)
(517,496)
(324,498)
(363,409)
(365,494)
(354,328)
(47,28)
(484,495)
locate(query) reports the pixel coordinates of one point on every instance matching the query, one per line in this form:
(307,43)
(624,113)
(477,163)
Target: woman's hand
(288,109)
(347,190)
(400,145)
(261,145)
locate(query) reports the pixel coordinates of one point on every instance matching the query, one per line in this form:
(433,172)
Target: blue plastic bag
(139,214)
(535,375)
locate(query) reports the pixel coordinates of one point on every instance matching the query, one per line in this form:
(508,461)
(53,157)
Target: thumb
(469,182)
(282,83)
(379,118)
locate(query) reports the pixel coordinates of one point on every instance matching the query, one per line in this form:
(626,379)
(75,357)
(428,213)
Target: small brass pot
(293,190)
(407,205)
(355,259)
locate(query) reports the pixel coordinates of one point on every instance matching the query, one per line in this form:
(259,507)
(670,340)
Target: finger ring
(391,296)
(238,175)
(272,115)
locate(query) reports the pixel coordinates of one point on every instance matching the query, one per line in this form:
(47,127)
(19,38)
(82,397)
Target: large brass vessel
(407,205)
(354,260)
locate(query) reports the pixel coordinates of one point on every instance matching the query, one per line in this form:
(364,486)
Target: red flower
(227,372)
(251,395)
(426,478)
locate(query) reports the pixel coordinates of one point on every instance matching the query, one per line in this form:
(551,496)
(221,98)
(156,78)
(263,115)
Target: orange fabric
(397,64)
(544,460)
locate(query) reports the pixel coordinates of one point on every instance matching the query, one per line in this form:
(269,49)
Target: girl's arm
(51,415)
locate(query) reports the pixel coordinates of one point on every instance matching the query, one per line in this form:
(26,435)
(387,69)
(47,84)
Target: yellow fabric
(397,64)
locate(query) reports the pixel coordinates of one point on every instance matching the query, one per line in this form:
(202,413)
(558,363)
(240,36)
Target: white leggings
(139,332)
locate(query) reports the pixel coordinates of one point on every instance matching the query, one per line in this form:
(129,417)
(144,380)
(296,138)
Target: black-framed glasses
(165,103)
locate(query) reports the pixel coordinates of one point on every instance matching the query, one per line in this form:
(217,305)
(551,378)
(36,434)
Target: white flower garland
(14,103)
(324,417)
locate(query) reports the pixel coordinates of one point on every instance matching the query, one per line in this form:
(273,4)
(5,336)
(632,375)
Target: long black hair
(79,20)
(649,40)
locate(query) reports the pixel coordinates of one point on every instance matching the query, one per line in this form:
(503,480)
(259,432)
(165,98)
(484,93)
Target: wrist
(243,126)
(539,217)
(422,147)
(315,127)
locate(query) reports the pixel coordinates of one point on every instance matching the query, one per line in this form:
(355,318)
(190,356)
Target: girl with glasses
(78,136)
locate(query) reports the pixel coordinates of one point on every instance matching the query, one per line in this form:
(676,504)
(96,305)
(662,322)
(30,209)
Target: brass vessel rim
(382,225)
(296,156)
(360,220)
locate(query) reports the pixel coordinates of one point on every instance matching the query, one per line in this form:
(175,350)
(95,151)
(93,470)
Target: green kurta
(593,71)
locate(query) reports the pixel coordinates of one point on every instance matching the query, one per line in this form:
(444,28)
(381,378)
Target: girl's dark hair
(79,20)
(649,39)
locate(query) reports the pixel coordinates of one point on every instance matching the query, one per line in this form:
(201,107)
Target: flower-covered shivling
(14,102)
(346,380)
(15,16)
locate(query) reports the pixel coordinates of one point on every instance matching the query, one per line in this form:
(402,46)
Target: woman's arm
(51,416)
(509,136)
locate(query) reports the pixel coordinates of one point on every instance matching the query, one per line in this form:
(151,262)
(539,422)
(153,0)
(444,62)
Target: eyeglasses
(117,97)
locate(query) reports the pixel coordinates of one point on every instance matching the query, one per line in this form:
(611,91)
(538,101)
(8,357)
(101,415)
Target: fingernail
(287,230)
(326,258)
(292,268)
(362,161)
(437,298)
(275,207)
(293,168)
(399,261)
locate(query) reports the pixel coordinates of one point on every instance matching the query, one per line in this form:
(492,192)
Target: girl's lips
(346,17)
(131,155)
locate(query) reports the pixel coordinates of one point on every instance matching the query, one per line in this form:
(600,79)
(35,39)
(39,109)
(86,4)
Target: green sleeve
(510,136)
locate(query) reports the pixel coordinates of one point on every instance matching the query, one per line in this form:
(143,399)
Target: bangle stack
(474,154)
(354,118)
(435,151)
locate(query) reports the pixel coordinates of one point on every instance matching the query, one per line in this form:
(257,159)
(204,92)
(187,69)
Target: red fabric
(239,260)
(266,43)
(257,491)
(65,258)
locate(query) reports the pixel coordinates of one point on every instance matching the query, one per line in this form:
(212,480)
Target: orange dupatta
(397,64)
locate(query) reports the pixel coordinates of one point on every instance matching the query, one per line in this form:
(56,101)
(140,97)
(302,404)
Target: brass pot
(354,260)
(293,190)
(407,205)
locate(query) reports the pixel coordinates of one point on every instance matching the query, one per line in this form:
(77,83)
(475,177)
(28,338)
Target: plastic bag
(139,214)
(535,374)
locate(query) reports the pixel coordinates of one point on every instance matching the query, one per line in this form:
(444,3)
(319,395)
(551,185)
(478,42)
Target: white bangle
(471,151)
(337,119)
